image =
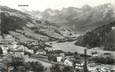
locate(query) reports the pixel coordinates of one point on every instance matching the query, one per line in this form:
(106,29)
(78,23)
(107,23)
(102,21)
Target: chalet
(41,51)
(4,49)
(59,59)
(68,62)
(113,28)
(79,65)
(94,54)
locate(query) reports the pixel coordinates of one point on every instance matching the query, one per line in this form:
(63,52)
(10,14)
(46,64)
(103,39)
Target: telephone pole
(85,61)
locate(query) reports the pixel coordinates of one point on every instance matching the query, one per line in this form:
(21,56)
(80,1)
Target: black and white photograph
(57,35)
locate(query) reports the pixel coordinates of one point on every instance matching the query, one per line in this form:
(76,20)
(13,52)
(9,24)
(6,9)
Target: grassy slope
(20,24)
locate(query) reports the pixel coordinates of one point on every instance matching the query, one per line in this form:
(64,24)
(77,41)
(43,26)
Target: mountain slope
(19,24)
(103,36)
(80,19)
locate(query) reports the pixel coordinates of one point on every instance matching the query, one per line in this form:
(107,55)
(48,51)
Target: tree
(68,69)
(4,18)
(1,51)
(34,66)
(55,68)
(103,59)
(99,37)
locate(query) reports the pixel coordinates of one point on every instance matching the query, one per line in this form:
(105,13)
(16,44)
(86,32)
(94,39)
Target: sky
(41,5)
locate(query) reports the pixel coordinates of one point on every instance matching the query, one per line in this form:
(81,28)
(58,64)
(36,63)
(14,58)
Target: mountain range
(53,24)
(79,20)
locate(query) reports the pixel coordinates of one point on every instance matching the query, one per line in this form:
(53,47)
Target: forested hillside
(102,36)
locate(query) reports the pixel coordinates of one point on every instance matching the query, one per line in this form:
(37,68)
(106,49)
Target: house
(4,49)
(7,40)
(93,67)
(94,54)
(19,50)
(79,66)
(19,53)
(113,28)
(41,51)
(59,59)
(68,62)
